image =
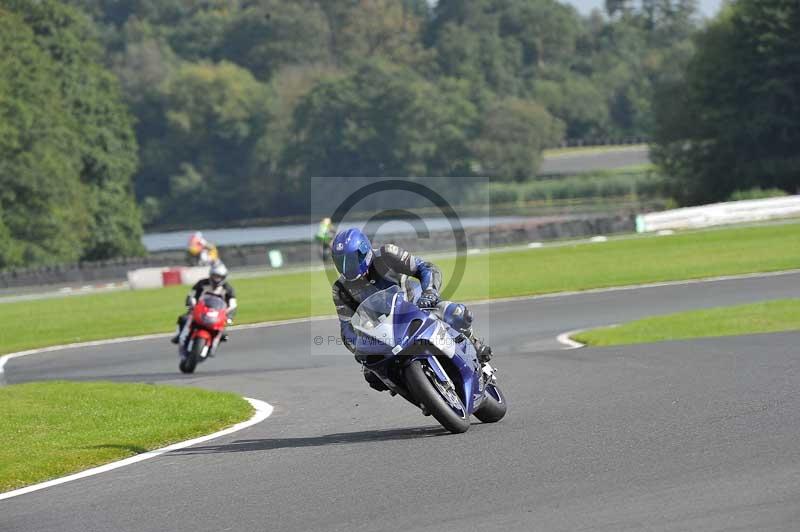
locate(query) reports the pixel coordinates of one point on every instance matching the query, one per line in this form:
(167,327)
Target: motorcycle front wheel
(189,363)
(493,407)
(439,400)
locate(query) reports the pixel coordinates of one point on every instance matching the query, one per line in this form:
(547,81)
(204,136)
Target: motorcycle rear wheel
(426,394)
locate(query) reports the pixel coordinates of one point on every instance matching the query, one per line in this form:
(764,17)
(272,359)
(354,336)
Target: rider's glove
(428,299)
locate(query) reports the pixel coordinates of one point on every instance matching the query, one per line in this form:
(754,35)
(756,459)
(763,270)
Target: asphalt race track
(698,435)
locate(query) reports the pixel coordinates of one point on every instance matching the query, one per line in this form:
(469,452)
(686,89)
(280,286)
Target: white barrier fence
(158,277)
(720,214)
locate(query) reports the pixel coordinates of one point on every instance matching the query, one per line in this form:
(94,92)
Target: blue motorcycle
(421,358)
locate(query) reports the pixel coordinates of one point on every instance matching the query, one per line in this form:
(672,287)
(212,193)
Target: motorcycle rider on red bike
(214,284)
(364,271)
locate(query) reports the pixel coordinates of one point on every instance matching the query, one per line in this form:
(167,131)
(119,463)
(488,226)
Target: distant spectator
(325,233)
(200,251)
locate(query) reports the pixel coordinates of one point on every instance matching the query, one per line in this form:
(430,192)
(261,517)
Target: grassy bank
(525,272)
(606,186)
(52,429)
(770,316)
(579,150)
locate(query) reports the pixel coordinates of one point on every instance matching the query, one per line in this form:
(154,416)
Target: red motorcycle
(206,327)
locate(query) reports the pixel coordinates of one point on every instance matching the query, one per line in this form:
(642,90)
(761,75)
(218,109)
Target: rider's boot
(177,336)
(374,382)
(484,351)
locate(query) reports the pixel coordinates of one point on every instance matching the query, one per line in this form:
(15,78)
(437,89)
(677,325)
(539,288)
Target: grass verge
(556,152)
(502,274)
(608,186)
(766,317)
(52,429)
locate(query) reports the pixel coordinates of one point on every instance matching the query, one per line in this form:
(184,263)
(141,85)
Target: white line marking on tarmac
(263,411)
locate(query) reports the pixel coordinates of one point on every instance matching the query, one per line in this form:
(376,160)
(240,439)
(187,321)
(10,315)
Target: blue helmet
(352,253)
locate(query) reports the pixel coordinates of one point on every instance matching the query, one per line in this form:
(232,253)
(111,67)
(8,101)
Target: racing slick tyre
(437,399)
(493,407)
(188,364)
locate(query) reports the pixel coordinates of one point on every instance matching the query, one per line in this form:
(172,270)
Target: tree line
(239,102)
(67,145)
(178,112)
(729,121)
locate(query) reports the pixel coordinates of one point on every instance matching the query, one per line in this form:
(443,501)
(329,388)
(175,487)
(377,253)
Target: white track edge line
(262,411)
(566,340)
(6,358)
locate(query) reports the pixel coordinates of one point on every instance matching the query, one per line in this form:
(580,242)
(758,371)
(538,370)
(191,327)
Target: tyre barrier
(144,278)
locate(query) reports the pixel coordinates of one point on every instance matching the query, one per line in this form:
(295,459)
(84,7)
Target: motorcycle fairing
(388,337)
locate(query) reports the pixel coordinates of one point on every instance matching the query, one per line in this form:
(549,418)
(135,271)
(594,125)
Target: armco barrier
(190,276)
(146,278)
(720,214)
(87,272)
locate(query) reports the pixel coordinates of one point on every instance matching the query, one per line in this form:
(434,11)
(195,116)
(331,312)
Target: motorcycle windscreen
(375,316)
(213,302)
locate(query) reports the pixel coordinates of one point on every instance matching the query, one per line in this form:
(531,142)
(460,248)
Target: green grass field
(636,184)
(52,429)
(766,317)
(556,152)
(501,274)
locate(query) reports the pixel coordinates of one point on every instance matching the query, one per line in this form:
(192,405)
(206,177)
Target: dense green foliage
(731,119)
(67,147)
(239,102)
(235,104)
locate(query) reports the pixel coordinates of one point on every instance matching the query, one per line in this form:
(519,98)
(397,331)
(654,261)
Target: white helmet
(218,273)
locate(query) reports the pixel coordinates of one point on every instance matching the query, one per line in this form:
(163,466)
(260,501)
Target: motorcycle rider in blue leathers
(365,271)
